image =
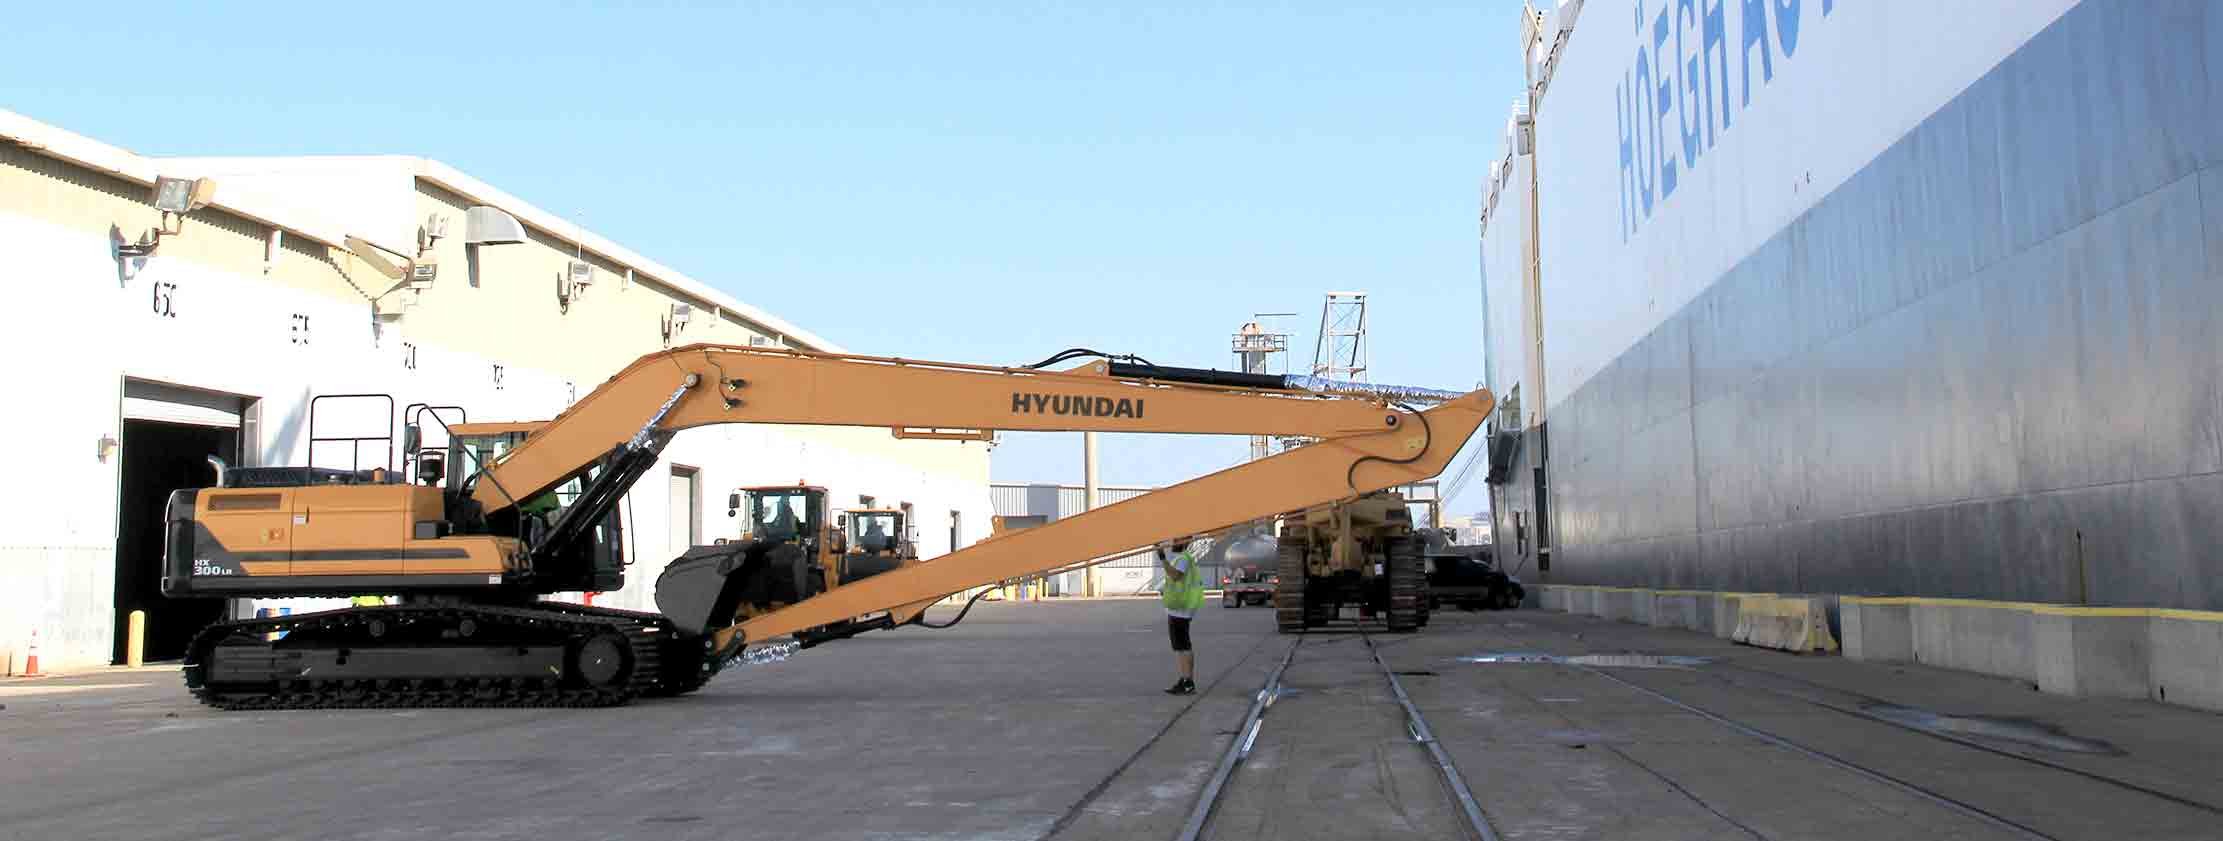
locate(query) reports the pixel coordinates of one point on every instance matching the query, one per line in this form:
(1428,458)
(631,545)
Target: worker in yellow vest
(1183,593)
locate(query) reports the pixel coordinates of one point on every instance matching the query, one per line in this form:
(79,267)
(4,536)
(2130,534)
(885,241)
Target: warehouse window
(956,530)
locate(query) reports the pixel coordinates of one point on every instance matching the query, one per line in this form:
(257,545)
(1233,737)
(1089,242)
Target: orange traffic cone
(31,659)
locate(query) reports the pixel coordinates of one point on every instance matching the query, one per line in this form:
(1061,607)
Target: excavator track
(460,655)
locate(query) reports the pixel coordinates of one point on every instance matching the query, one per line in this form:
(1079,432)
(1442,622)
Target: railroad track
(1200,822)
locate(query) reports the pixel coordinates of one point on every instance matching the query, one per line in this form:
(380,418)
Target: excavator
(472,539)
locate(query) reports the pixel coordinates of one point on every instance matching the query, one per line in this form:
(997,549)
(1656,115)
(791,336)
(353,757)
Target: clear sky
(984,182)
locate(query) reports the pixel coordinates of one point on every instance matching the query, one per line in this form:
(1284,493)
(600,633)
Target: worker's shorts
(1177,628)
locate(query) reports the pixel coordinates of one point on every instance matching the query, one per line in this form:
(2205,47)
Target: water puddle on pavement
(1989,729)
(1603,661)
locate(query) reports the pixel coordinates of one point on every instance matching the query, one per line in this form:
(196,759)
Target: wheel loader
(471,536)
(1361,554)
(791,548)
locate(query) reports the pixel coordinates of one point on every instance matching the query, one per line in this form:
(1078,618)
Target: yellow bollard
(135,643)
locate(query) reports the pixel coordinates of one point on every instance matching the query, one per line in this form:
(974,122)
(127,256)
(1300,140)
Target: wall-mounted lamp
(175,197)
(105,448)
(677,321)
(573,282)
(430,233)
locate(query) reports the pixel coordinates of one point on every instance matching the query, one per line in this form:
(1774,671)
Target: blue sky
(976,182)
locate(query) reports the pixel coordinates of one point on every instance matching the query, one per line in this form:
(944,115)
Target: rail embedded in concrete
(1247,735)
(1418,726)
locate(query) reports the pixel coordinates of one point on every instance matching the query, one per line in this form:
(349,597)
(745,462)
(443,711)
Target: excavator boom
(759,385)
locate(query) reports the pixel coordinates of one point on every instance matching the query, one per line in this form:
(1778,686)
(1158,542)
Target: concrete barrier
(1877,630)
(2173,656)
(2093,651)
(2185,657)
(1678,609)
(1725,613)
(1617,604)
(1992,638)
(1788,623)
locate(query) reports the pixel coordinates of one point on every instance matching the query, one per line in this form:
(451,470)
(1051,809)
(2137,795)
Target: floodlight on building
(182,195)
(174,197)
(431,232)
(484,225)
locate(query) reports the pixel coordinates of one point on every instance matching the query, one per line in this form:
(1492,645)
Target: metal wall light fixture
(174,197)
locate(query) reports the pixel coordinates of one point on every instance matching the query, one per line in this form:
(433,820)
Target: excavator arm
(1362,445)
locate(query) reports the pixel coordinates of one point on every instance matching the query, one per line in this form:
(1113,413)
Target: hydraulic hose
(1427,438)
(960,617)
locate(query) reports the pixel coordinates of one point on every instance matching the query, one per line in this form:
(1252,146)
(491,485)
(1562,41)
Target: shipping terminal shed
(1847,425)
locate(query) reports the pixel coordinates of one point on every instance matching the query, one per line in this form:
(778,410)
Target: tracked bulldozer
(1361,554)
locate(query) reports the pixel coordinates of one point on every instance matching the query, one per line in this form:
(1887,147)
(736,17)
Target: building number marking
(165,299)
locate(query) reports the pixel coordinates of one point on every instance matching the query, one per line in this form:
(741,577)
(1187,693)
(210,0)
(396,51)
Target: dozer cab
(1361,554)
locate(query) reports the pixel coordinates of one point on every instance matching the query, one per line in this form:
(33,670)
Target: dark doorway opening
(158,458)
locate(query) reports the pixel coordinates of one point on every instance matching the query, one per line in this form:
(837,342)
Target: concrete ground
(1035,721)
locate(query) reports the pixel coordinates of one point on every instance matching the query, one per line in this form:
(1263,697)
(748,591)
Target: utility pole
(1088,497)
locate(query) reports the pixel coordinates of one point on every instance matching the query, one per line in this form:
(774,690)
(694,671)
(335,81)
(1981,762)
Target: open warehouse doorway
(168,434)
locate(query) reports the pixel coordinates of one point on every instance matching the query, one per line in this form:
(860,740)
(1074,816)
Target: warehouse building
(1021,506)
(145,342)
(1890,298)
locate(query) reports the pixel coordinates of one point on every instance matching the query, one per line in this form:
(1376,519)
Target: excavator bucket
(702,590)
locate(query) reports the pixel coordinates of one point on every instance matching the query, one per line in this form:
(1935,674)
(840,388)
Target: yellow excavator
(474,535)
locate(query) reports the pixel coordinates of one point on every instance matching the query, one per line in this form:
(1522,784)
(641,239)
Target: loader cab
(875,531)
(782,514)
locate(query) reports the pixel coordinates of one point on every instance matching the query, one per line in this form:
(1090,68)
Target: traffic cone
(31,658)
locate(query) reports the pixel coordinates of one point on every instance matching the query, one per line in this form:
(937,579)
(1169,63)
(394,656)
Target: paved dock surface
(1032,721)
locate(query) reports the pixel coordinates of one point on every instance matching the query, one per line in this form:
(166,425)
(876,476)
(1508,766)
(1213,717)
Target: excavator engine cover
(701,591)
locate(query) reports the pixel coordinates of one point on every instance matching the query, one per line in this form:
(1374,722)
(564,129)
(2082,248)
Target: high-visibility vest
(1186,592)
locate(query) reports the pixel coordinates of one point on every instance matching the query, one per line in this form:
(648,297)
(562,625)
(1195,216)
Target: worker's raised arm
(699,385)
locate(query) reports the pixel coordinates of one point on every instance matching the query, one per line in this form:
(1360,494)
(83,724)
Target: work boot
(1183,686)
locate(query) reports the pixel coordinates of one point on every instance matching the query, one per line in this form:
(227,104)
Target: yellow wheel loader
(472,536)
